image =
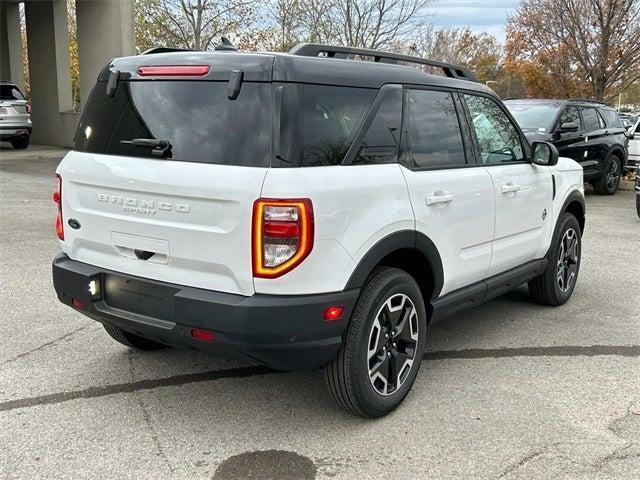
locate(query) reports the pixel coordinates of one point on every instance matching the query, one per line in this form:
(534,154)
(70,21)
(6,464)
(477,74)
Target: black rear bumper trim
(281,332)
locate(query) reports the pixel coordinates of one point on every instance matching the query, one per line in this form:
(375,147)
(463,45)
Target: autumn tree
(480,52)
(558,46)
(191,24)
(362,23)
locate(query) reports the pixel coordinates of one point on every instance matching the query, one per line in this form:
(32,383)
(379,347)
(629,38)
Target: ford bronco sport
(306,210)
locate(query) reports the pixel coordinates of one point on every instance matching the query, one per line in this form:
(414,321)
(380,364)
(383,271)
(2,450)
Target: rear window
(196,118)
(10,92)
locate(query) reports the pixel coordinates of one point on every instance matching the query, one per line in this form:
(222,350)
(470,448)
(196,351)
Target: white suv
(306,210)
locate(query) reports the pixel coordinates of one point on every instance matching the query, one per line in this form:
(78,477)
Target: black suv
(589,132)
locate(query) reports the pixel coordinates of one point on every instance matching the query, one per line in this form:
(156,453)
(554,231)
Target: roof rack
(165,50)
(331,51)
(587,100)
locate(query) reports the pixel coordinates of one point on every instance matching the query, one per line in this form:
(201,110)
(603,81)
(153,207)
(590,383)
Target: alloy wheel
(393,341)
(613,175)
(568,256)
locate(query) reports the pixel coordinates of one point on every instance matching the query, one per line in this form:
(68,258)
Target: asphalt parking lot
(509,390)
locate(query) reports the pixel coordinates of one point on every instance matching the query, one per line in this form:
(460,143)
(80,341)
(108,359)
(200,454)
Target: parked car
(591,133)
(306,210)
(628,120)
(633,161)
(15,116)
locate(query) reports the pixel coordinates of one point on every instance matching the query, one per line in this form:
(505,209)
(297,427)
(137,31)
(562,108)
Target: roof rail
(165,50)
(331,51)
(587,100)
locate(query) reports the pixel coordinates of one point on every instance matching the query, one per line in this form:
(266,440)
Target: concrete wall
(11,55)
(54,121)
(105,30)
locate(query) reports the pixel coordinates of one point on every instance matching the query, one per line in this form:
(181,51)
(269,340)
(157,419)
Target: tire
(20,143)
(389,295)
(131,340)
(638,203)
(555,286)
(609,183)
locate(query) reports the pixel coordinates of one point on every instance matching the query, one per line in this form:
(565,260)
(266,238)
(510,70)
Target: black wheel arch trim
(405,239)
(620,152)
(574,196)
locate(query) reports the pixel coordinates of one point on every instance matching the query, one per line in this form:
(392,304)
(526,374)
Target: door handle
(439,198)
(510,188)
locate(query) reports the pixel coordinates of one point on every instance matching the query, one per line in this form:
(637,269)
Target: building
(105,29)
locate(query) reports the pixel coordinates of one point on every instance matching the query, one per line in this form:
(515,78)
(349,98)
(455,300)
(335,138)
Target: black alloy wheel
(567,261)
(393,340)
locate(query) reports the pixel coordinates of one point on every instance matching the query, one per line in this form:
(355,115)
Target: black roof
(285,67)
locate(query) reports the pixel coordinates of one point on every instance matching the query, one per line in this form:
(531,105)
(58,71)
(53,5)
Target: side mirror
(545,154)
(569,127)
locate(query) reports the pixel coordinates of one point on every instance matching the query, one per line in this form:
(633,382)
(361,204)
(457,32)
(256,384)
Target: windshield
(534,116)
(196,118)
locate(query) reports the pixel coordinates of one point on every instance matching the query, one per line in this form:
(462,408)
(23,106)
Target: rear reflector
(79,303)
(333,313)
(203,335)
(173,70)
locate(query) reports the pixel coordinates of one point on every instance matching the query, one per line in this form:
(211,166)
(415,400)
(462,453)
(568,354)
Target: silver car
(15,116)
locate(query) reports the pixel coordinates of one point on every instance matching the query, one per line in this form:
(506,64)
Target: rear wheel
(610,181)
(131,340)
(555,285)
(385,340)
(20,143)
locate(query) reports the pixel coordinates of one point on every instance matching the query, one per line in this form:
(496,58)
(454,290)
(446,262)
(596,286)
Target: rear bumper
(281,332)
(7,131)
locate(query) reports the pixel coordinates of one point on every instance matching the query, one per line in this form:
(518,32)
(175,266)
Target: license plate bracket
(140,297)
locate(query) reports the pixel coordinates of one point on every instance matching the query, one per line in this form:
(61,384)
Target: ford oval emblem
(73,223)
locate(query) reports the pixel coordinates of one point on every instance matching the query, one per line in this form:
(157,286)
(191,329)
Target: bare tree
(362,23)
(601,39)
(287,16)
(197,24)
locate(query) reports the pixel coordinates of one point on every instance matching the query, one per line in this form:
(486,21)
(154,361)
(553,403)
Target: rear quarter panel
(354,208)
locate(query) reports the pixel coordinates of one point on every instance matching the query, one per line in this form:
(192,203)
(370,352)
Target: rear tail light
(57,198)
(173,70)
(27,107)
(282,235)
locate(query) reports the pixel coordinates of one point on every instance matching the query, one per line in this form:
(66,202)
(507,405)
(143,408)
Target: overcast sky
(480,15)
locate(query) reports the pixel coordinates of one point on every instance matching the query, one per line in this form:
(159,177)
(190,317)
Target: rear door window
(433,131)
(591,119)
(196,118)
(570,115)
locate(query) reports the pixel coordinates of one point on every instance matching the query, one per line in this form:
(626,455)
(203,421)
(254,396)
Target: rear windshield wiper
(160,148)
